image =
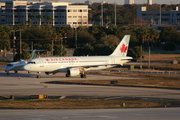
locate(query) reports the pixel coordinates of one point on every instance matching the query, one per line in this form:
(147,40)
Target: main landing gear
(38,76)
(7,72)
(83,75)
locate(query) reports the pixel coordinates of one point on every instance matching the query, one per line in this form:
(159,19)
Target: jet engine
(49,73)
(72,72)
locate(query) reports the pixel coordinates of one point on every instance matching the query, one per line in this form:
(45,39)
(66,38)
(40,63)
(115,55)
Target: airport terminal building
(160,17)
(39,13)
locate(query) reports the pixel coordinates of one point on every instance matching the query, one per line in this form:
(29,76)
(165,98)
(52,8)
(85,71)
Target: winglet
(122,48)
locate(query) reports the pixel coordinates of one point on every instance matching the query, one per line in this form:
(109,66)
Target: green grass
(78,104)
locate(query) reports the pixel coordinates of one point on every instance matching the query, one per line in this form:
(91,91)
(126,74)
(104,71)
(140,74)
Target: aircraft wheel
(67,75)
(38,76)
(83,75)
(29,72)
(15,71)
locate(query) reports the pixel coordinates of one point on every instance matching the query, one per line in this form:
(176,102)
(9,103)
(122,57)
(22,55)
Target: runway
(92,114)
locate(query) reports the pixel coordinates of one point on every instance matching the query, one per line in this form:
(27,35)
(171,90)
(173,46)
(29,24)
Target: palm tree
(40,17)
(30,21)
(4,42)
(49,19)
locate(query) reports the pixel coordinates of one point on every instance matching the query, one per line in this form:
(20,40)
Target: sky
(136,1)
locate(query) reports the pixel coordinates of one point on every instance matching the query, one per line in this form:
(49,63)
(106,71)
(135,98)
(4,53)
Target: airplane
(74,66)
(18,66)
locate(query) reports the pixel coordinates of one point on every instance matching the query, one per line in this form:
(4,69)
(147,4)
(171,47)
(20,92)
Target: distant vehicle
(18,66)
(74,66)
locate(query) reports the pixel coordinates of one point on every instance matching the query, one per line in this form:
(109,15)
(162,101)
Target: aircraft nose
(26,67)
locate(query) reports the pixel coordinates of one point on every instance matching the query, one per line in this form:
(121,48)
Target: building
(149,2)
(88,2)
(2,13)
(159,17)
(128,1)
(38,13)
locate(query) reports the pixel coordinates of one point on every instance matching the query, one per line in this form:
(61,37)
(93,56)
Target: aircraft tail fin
(33,54)
(122,48)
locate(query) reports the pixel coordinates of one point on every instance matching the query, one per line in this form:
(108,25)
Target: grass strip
(78,104)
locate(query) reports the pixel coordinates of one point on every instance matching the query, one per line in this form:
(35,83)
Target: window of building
(74,16)
(62,10)
(84,10)
(79,10)
(84,16)
(79,16)
(35,10)
(49,11)
(69,16)
(74,10)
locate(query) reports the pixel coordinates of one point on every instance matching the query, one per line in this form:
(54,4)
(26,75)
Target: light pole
(62,45)
(102,13)
(115,13)
(14,38)
(20,45)
(76,36)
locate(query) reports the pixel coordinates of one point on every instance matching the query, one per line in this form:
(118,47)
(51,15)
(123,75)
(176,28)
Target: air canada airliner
(74,66)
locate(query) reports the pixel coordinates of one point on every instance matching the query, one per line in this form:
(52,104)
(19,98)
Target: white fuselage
(15,66)
(49,64)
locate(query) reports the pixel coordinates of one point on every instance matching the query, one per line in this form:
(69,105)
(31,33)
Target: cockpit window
(31,62)
(9,64)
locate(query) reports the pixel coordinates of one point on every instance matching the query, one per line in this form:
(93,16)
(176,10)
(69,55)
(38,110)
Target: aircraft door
(112,60)
(71,62)
(41,63)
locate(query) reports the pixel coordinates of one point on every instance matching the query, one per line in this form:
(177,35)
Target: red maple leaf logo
(123,48)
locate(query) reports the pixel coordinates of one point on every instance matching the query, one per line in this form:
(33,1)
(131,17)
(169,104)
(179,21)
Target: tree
(59,50)
(100,49)
(153,37)
(110,40)
(135,52)
(49,20)
(170,34)
(85,37)
(26,55)
(4,38)
(40,17)
(30,21)
(37,46)
(85,50)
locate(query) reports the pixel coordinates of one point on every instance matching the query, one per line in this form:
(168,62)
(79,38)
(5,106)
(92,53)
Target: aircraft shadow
(17,75)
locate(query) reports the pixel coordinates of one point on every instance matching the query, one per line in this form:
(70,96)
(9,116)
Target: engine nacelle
(49,73)
(72,72)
